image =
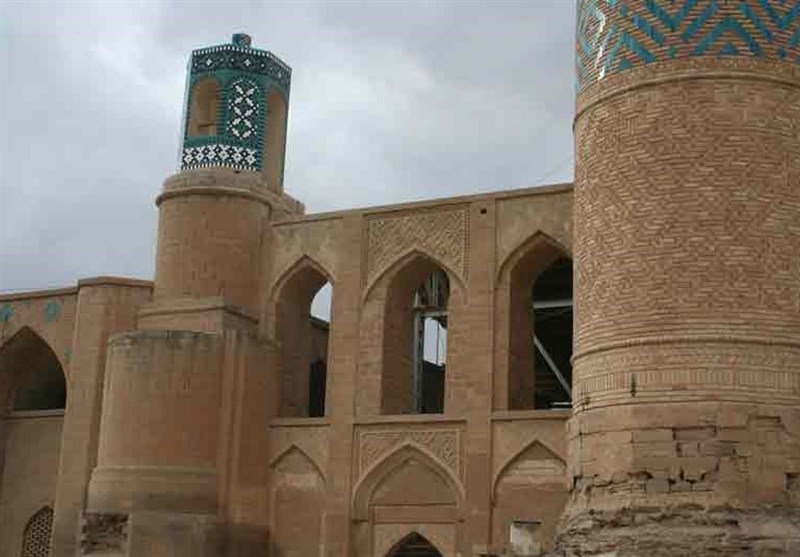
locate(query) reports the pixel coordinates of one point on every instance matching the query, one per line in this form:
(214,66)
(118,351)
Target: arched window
(302,323)
(204,108)
(275,140)
(36,538)
(536,296)
(320,329)
(415,340)
(414,545)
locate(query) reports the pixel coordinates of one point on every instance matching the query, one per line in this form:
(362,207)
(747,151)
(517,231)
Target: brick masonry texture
(188,428)
(687,330)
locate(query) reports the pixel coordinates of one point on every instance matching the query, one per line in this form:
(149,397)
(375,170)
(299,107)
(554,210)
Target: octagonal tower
(686,430)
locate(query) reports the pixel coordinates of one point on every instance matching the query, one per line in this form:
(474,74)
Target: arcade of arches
(402,389)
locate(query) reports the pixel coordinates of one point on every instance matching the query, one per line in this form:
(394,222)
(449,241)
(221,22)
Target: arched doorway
(414,545)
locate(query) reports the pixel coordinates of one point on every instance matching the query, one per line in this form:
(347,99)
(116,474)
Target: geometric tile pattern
(51,311)
(243,108)
(243,59)
(615,35)
(219,154)
(36,539)
(246,76)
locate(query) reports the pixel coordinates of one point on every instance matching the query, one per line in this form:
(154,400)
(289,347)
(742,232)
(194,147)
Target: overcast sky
(391,102)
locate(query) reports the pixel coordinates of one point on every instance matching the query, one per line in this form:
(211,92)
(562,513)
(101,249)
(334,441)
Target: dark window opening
(552,331)
(320,332)
(42,388)
(316,389)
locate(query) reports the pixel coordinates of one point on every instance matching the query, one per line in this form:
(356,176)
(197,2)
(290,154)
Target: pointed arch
(31,375)
(413,543)
(528,372)
(302,264)
(516,457)
(295,448)
(375,475)
(537,243)
(38,530)
(297,489)
(407,259)
(302,340)
(394,376)
(530,487)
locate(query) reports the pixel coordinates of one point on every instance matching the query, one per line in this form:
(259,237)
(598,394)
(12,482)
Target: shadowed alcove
(303,339)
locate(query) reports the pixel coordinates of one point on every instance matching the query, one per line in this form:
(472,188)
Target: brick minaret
(193,376)
(686,430)
(213,213)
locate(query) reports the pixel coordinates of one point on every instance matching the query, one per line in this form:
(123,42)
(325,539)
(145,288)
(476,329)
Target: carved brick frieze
(444,234)
(444,444)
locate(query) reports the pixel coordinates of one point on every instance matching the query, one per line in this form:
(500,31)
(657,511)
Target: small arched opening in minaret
(302,327)
(535,341)
(414,545)
(204,108)
(275,139)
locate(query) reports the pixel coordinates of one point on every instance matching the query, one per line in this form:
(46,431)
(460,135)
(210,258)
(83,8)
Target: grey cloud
(391,101)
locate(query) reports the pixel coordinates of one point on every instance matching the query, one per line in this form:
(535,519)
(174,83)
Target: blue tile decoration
(52,310)
(243,108)
(615,35)
(219,154)
(246,78)
(6,311)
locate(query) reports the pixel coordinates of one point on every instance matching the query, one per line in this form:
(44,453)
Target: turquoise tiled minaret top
(225,112)
(616,35)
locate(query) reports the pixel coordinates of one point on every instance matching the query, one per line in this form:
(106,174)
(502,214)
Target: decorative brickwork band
(615,35)
(442,234)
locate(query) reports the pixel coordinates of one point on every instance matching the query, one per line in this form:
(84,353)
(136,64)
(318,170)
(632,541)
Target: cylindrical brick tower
(212,214)
(685,438)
